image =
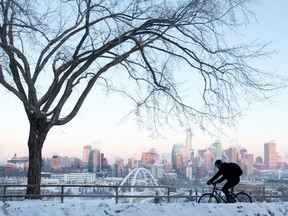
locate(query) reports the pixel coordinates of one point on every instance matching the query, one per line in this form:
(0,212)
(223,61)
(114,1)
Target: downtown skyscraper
(85,155)
(188,145)
(270,155)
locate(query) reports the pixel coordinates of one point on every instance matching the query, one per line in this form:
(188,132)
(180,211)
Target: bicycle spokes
(243,197)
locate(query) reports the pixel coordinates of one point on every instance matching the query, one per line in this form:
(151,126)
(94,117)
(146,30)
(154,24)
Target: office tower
(85,156)
(94,164)
(243,153)
(55,162)
(157,170)
(249,164)
(150,157)
(270,155)
(65,162)
(75,162)
(104,162)
(189,151)
(232,154)
(179,162)
(216,149)
(132,163)
(118,168)
(208,161)
(168,167)
(178,153)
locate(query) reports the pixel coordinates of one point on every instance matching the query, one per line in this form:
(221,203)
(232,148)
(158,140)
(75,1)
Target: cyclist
(230,172)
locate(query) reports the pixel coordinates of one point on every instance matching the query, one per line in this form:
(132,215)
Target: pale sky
(99,121)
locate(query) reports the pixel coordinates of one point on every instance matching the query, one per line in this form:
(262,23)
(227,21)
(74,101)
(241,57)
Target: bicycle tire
(242,197)
(208,198)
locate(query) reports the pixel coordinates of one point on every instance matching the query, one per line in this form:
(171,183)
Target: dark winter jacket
(229,171)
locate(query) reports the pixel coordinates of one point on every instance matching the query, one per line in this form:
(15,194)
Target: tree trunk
(36,140)
(34,171)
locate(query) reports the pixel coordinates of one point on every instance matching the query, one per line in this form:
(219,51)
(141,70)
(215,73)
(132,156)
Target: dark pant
(229,184)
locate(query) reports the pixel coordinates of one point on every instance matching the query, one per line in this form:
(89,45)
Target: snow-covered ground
(103,208)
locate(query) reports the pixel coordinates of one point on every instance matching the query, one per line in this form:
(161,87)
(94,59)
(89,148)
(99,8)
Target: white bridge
(139,177)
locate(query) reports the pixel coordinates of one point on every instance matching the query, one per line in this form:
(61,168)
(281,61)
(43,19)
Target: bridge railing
(120,193)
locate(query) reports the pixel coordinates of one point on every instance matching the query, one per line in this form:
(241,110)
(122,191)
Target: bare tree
(56,50)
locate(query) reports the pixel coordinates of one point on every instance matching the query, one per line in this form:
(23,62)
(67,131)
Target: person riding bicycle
(229,171)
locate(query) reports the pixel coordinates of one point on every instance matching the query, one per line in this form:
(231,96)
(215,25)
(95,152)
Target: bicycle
(215,196)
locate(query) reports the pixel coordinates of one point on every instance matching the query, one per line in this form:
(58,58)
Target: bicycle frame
(217,192)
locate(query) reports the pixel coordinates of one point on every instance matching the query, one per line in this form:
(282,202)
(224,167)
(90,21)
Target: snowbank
(99,208)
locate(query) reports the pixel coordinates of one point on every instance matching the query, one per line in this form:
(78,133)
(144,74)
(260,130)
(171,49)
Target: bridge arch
(139,177)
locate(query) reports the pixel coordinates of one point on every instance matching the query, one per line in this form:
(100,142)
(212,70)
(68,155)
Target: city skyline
(83,156)
(184,165)
(99,123)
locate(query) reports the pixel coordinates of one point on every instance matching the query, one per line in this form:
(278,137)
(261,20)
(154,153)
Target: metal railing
(14,192)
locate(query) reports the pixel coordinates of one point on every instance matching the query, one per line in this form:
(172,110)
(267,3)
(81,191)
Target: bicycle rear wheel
(208,198)
(243,197)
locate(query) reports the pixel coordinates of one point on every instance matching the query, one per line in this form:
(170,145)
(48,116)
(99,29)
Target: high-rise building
(208,161)
(232,154)
(157,170)
(94,164)
(189,173)
(132,163)
(55,163)
(249,164)
(150,157)
(270,155)
(177,151)
(179,161)
(65,162)
(104,162)
(168,167)
(189,151)
(118,168)
(217,149)
(85,155)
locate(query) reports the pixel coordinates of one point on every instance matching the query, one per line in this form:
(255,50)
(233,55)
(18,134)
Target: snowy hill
(101,208)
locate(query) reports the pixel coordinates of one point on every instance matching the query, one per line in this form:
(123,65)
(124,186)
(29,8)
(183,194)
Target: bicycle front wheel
(208,198)
(243,197)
